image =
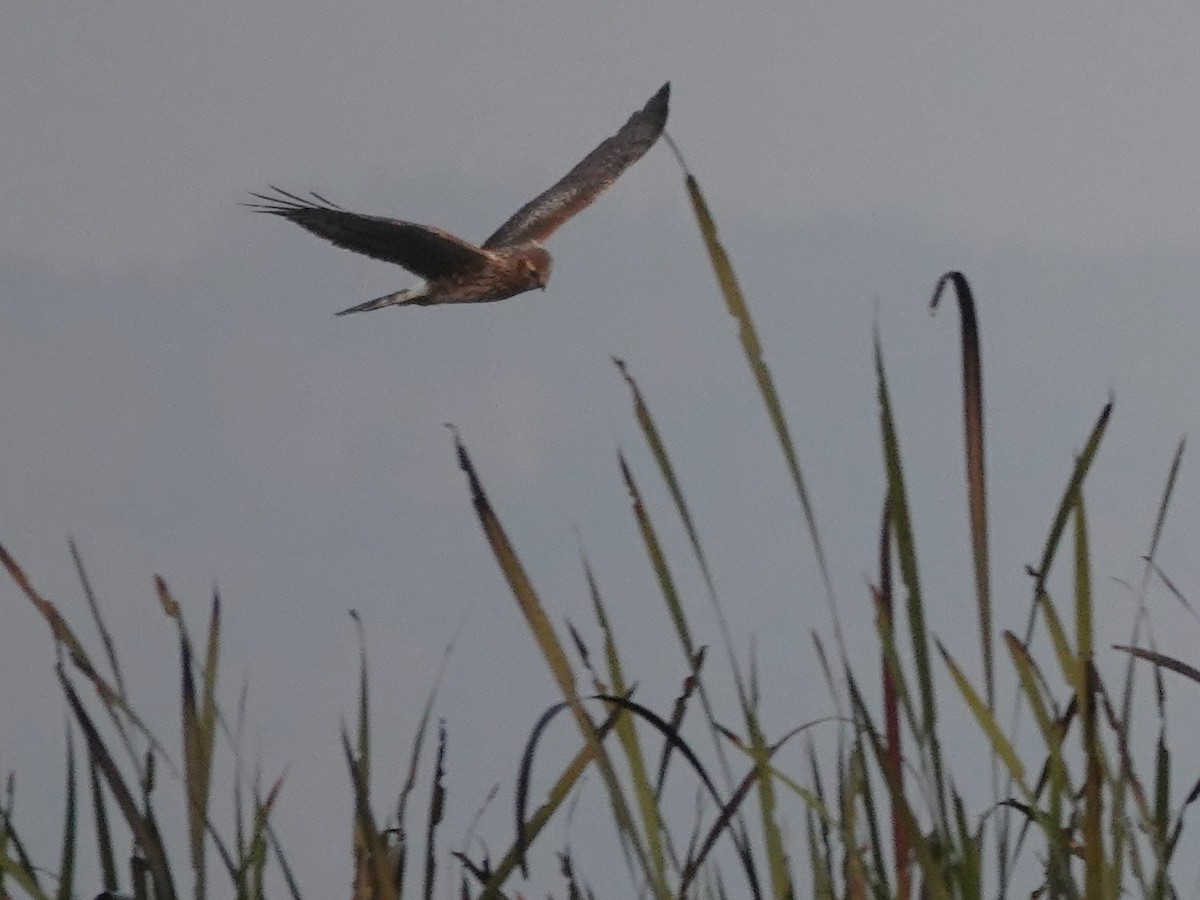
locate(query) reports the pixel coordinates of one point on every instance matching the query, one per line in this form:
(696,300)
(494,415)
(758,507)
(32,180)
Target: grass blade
(976,470)
(437,806)
(735,303)
(142,827)
(906,552)
(1161,519)
(66,864)
(1002,747)
(550,647)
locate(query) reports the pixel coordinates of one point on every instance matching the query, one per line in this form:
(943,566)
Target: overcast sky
(177,395)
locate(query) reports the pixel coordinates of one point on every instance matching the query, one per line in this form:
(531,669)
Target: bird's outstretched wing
(537,219)
(423,250)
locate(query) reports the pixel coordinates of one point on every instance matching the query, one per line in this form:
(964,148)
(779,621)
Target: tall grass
(1075,810)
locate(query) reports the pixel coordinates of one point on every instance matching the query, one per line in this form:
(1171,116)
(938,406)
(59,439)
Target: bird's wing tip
(661,97)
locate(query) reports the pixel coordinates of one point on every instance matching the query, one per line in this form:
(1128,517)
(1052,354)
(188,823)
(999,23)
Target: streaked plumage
(509,262)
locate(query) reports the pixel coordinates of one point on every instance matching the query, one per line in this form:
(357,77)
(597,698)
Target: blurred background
(176,394)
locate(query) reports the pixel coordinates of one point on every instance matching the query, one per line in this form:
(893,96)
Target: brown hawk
(509,262)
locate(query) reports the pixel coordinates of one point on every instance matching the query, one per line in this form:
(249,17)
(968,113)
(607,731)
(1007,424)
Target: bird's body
(503,273)
(509,262)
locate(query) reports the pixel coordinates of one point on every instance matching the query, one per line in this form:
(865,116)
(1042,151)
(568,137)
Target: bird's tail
(408,295)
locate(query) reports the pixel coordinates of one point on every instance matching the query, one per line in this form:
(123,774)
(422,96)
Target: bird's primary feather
(538,219)
(422,249)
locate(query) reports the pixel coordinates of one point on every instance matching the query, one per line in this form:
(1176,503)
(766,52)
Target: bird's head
(537,268)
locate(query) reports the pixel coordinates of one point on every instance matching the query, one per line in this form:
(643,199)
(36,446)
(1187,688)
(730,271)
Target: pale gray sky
(177,395)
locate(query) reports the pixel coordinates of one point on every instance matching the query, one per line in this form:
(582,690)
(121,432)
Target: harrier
(509,262)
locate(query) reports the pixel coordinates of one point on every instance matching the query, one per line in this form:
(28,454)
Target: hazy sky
(177,395)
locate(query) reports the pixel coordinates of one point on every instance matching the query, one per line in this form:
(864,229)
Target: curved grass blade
(724,822)
(668,733)
(678,711)
(493,880)
(727,809)
(524,776)
(976,472)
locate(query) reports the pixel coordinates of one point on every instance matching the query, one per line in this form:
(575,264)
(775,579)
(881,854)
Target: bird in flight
(509,262)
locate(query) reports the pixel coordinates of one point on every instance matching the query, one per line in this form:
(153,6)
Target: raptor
(509,262)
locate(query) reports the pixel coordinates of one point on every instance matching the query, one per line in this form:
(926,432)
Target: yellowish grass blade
(735,303)
(1084,628)
(1069,664)
(521,587)
(643,788)
(667,471)
(199,729)
(987,721)
(551,649)
(658,561)
(658,450)
(20,870)
(1095,874)
(1032,685)
(256,860)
